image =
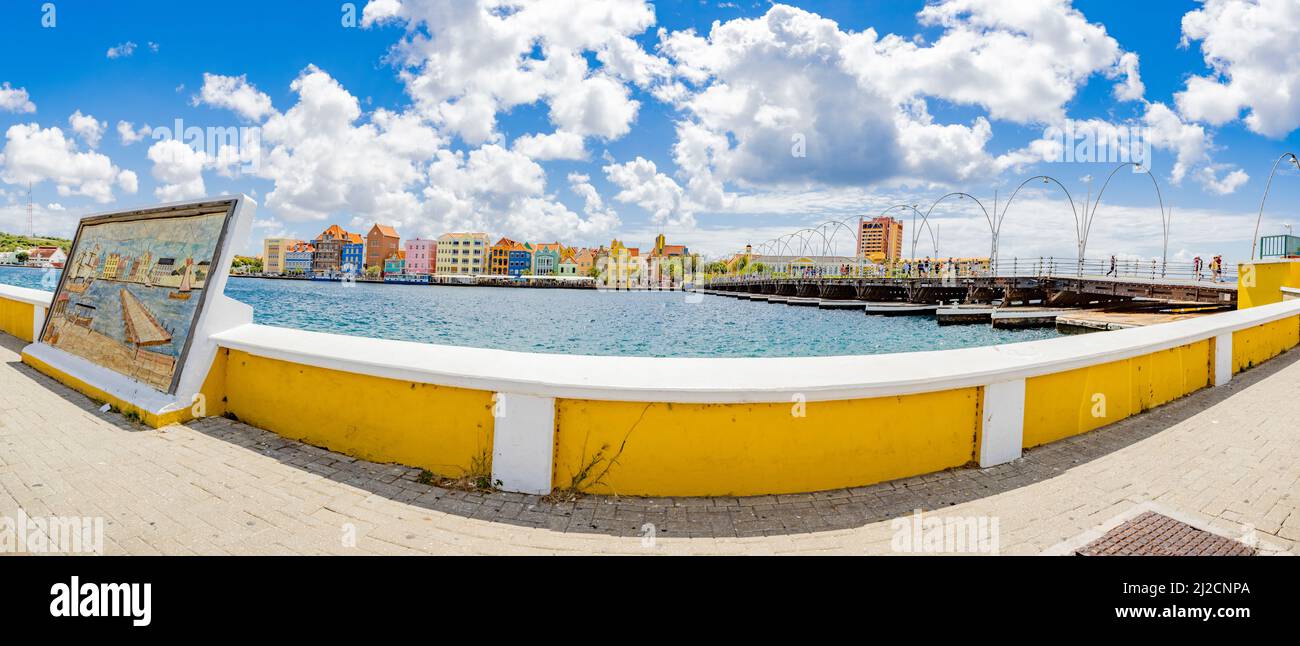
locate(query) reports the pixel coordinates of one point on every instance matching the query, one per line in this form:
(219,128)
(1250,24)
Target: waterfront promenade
(1225,457)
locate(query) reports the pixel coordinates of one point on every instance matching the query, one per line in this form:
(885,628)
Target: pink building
(421,256)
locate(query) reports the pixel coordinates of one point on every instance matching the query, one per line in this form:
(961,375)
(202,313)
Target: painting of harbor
(131,292)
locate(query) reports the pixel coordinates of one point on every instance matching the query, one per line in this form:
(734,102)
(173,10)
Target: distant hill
(12,242)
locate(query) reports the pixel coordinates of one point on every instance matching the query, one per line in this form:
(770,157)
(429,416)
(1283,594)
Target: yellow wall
(1253,346)
(663,449)
(212,391)
(745,449)
(445,430)
(1076,401)
(16,319)
(1268,280)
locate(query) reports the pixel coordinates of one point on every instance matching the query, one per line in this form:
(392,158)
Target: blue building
(353,257)
(520,260)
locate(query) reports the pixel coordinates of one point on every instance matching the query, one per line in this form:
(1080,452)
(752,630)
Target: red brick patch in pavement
(1152,534)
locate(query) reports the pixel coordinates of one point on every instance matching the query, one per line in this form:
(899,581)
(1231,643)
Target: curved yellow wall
(1253,346)
(664,449)
(744,449)
(445,430)
(16,319)
(1077,401)
(1261,283)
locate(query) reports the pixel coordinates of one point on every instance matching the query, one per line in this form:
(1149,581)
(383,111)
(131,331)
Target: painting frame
(159,212)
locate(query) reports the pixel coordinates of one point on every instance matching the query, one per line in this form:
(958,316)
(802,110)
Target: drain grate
(1152,534)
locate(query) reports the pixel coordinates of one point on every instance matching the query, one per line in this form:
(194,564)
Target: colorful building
(568,263)
(664,250)
(381,243)
(395,264)
(586,259)
(352,257)
(510,258)
(546,258)
(462,253)
(621,263)
(881,240)
(499,257)
(421,256)
(111,264)
(297,258)
(273,250)
(328,259)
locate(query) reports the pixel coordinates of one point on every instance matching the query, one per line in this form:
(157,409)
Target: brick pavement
(1225,458)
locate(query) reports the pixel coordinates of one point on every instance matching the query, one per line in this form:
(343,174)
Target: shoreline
(485,280)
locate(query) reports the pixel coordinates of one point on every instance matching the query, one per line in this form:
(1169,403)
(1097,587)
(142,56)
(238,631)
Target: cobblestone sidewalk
(1226,457)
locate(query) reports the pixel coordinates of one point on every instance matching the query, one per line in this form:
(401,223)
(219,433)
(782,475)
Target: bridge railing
(1153,270)
(1029,267)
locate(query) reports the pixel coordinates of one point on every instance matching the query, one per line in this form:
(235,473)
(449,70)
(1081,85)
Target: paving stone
(216,486)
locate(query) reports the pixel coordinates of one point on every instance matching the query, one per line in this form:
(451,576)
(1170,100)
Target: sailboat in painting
(82,271)
(182,292)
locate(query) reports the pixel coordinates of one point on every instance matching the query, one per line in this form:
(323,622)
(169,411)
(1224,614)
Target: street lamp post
(1254,239)
(1166,217)
(1078,224)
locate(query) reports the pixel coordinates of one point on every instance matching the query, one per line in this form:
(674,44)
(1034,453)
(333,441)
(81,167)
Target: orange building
(381,244)
(329,249)
(881,239)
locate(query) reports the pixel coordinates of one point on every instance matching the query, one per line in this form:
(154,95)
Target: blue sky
(660,120)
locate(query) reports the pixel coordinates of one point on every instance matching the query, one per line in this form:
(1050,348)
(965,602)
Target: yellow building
(462,253)
(273,250)
(110,266)
(623,263)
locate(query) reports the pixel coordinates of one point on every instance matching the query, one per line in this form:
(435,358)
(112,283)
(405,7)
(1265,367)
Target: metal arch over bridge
(1084,217)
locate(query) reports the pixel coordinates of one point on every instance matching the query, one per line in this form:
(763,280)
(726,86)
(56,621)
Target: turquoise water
(654,324)
(174,315)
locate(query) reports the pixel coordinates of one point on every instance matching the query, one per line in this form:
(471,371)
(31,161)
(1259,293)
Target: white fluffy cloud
(1225,185)
(35,154)
(179,169)
(236,94)
(499,190)
(1022,60)
(121,51)
(465,62)
(325,159)
(1251,49)
(790,99)
(15,99)
(642,184)
(129,134)
(90,129)
(556,145)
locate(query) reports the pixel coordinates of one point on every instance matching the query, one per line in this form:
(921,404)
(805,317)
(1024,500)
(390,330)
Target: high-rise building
(881,239)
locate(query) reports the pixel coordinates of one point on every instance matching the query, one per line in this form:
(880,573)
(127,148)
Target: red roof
(385,230)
